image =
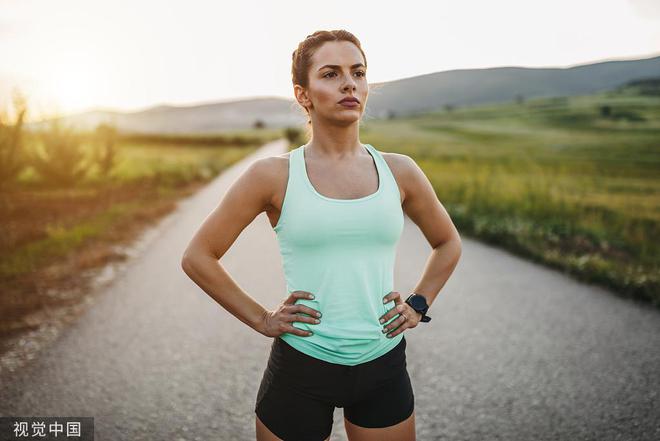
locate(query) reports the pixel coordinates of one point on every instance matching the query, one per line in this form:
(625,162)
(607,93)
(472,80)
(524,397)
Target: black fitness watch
(418,303)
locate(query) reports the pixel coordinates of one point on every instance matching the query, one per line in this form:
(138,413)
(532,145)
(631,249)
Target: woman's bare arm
(423,207)
(248,196)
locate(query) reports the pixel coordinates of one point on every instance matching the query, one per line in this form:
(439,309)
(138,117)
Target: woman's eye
(358,72)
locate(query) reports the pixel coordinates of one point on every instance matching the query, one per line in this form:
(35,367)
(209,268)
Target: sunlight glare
(71,86)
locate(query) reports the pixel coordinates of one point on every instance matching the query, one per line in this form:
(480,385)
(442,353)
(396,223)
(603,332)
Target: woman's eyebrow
(334,66)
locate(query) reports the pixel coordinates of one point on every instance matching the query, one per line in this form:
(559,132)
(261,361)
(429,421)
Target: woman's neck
(336,145)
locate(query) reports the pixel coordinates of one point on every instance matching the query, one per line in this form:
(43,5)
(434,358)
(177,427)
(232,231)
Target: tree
(12,146)
(63,161)
(292,134)
(605,111)
(106,150)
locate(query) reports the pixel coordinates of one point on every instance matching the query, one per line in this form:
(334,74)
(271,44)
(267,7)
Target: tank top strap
(296,181)
(294,166)
(389,181)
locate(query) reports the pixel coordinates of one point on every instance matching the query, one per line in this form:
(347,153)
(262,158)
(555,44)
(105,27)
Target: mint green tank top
(342,251)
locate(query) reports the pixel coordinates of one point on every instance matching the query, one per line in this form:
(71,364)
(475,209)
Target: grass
(551,179)
(59,241)
(52,235)
(65,209)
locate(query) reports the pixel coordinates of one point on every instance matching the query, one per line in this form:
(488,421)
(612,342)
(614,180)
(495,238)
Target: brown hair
(302,56)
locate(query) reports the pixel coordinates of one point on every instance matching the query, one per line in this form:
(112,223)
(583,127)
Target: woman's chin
(348,116)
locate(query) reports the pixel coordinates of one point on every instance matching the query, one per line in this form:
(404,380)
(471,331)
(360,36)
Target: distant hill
(205,118)
(406,96)
(479,86)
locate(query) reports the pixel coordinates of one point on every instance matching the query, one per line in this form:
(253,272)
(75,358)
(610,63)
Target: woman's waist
(358,329)
(354,350)
(347,314)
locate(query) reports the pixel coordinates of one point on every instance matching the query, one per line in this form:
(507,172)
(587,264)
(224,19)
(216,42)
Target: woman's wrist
(259,324)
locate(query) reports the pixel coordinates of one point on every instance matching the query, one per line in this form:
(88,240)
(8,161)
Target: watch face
(419,302)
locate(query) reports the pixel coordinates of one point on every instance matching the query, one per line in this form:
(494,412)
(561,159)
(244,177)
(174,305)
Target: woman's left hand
(408,317)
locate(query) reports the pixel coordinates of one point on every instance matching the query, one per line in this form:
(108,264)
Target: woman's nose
(348,82)
(349,85)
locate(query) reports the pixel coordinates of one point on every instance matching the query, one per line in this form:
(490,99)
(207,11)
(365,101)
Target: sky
(69,56)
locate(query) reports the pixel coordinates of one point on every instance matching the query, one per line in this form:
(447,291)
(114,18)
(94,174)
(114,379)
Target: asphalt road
(515,351)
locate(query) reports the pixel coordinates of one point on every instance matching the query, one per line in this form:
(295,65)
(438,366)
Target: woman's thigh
(265,434)
(403,431)
(292,416)
(387,406)
(383,404)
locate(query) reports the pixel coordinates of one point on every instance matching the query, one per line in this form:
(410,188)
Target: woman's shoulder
(397,161)
(401,165)
(272,166)
(405,170)
(278,166)
(271,174)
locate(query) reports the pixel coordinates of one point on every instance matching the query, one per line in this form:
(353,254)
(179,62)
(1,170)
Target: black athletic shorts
(298,393)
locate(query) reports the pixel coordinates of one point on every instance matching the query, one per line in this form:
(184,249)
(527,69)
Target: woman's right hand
(277,322)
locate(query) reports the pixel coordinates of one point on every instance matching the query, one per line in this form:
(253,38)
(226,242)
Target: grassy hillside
(571,182)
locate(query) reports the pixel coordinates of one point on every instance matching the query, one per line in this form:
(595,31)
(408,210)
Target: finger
(394,324)
(392,295)
(303,318)
(398,309)
(398,330)
(393,312)
(293,330)
(302,309)
(306,309)
(298,295)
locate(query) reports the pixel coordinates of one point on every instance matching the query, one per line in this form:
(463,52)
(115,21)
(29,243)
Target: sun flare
(71,86)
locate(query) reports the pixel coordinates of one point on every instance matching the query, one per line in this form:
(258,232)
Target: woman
(336,206)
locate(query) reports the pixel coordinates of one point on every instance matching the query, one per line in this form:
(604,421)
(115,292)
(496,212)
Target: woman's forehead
(338,53)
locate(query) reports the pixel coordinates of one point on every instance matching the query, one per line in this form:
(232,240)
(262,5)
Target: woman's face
(337,72)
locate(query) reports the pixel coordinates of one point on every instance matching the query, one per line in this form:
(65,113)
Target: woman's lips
(349,103)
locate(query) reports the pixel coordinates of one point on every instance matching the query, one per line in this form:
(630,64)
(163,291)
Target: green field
(146,176)
(551,179)
(52,234)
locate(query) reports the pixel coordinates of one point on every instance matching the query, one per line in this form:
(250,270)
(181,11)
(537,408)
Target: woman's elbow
(188,260)
(186,263)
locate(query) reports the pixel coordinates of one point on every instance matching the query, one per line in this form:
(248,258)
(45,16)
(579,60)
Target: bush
(63,160)
(12,145)
(292,134)
(105,153)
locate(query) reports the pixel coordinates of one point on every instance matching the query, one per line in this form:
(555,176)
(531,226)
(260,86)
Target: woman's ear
(301,96)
